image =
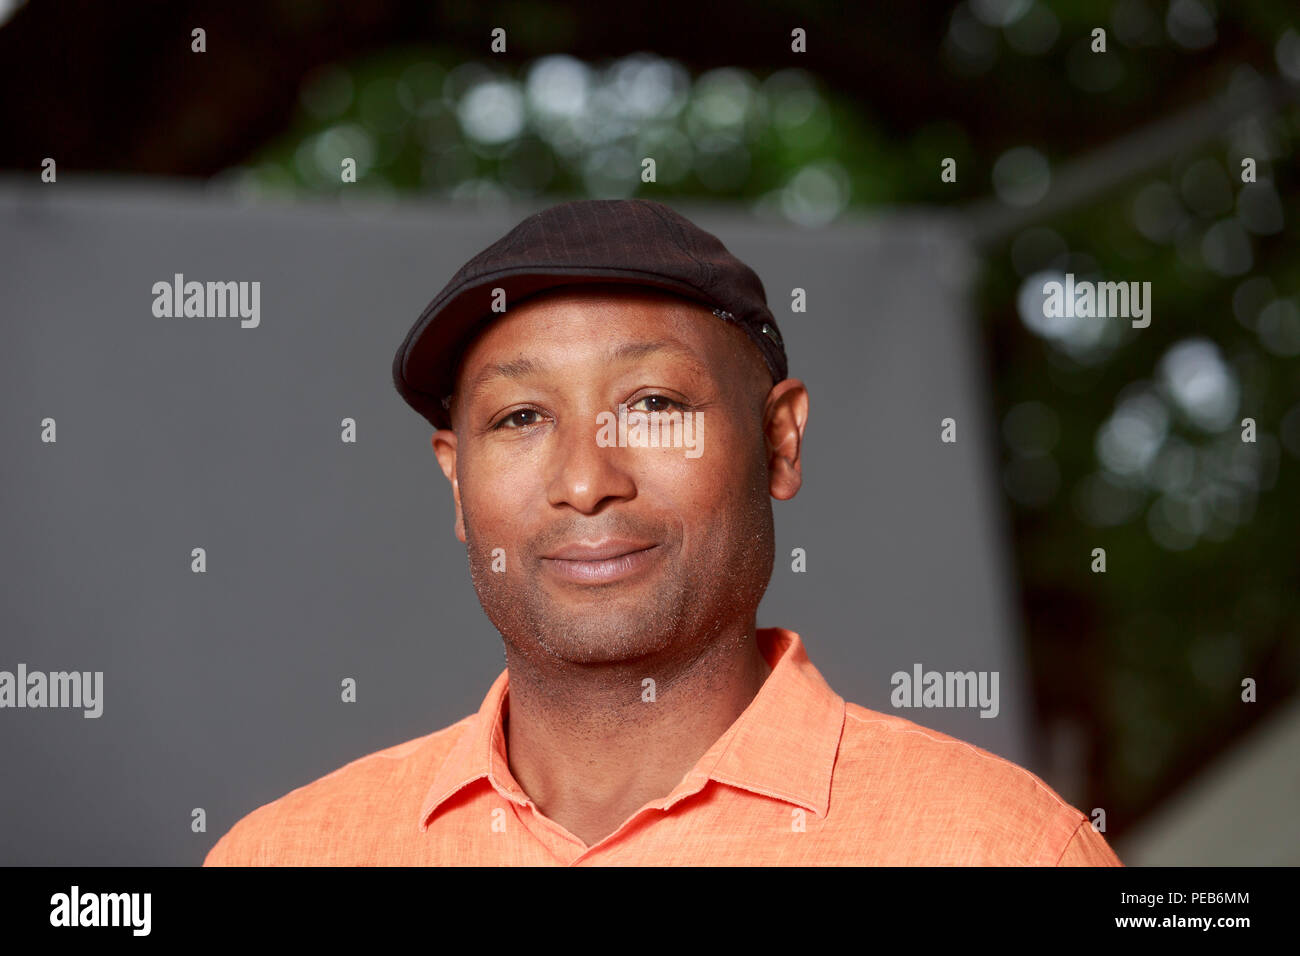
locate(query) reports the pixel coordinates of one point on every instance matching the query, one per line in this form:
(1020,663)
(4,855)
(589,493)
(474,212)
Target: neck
(591,744)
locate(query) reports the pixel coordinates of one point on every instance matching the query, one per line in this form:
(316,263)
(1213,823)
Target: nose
(584,473)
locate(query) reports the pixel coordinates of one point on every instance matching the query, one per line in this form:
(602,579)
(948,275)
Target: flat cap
(637,241)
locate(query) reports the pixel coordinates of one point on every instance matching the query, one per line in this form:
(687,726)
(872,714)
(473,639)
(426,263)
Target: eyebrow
(524,366)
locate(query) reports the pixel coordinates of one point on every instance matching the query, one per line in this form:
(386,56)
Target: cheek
(687,487)
(493,497)
(706,492)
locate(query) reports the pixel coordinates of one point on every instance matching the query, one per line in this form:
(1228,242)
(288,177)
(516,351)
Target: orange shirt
(800,778)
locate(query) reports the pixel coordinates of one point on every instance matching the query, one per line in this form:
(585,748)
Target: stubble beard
(678,610)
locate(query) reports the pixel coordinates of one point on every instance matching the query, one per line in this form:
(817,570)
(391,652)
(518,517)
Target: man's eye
(668,401)
(512,420)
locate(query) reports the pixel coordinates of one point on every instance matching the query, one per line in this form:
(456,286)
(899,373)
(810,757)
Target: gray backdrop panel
(328,560)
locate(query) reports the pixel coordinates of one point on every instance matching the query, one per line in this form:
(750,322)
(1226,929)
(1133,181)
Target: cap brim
(425,364)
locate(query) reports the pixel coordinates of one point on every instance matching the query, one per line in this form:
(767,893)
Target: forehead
(598,319)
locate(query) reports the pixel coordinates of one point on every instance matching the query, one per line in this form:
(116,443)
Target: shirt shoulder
(1088,848)
(384,786)
(952,803)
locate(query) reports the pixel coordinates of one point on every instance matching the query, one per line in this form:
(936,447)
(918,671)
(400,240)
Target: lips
(598,550)
(601,562)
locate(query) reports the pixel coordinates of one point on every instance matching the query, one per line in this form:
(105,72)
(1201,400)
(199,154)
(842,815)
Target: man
(613,413)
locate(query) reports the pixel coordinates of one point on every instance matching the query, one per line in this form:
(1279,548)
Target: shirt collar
(783,745)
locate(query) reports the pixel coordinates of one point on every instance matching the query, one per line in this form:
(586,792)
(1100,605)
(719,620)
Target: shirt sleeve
(1087,847)
(220,855)
(237,848)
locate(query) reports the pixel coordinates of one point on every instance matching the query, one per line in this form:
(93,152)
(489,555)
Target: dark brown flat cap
(637,241)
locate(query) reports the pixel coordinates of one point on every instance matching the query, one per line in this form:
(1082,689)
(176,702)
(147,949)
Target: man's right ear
(444,447)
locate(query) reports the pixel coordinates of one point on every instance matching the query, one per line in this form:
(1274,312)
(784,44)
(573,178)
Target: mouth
(601,564)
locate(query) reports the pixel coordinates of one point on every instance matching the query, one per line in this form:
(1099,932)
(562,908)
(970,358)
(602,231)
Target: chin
(598,637)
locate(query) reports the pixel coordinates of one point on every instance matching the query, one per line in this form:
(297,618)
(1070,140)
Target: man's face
(530,477)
